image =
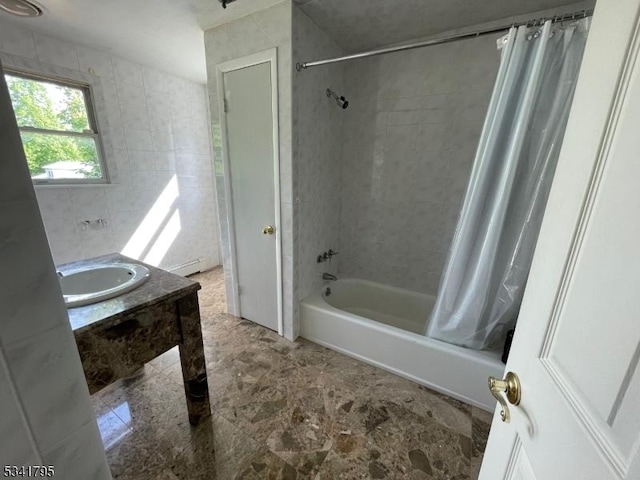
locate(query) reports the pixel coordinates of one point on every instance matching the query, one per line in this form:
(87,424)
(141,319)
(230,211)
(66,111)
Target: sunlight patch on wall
(164,241)
(141,239)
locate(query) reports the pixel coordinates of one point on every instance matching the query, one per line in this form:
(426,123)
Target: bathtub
(381,325)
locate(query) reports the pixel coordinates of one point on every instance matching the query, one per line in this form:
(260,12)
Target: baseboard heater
(183,265)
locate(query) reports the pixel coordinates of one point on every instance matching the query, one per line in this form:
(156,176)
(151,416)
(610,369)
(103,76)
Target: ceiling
(167,34)
(164,34)
(358,25)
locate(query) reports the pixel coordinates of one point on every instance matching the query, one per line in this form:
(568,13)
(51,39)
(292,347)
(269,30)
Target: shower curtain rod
(437,41)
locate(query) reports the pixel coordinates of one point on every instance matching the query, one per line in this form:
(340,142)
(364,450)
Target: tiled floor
(283,410)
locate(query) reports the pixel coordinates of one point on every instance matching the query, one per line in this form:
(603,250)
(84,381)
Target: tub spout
(328,276)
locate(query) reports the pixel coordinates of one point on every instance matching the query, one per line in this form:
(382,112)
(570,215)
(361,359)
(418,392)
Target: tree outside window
(58,131)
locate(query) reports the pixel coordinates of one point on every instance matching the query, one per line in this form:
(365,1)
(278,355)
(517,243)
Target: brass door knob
(511,389)
(268,230)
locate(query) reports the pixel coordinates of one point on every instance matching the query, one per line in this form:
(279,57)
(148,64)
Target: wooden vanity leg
(192,359)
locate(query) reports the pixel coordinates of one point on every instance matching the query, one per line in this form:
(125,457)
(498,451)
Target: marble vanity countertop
(162,286)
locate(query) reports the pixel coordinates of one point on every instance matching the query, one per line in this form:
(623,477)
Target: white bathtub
(379,324)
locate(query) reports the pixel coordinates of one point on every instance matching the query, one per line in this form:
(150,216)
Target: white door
(577,344)
(249,119)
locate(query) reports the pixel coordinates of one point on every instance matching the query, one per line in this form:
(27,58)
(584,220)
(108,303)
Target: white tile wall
(317,140)
(155,127)
(52,373)
(17,41)
(46,413)
(410,135)
(17,448)
(384,179)
(56,52)
(355,178)
(254,33)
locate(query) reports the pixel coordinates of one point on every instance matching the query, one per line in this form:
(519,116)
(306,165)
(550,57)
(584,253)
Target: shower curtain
(489,259)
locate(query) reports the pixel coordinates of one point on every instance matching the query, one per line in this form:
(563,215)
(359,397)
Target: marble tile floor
(283,410)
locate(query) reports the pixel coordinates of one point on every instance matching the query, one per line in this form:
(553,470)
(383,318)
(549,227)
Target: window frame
(95,134)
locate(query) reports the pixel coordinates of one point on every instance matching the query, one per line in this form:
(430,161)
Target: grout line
(64,440)
(21,409)
(273,44)
(23,340)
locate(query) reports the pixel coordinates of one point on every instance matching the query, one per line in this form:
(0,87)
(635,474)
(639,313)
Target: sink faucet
(328,276)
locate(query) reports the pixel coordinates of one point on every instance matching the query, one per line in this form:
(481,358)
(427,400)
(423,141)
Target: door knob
(268,230)
(511,389)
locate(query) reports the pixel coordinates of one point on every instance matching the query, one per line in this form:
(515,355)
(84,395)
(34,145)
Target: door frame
(266,56)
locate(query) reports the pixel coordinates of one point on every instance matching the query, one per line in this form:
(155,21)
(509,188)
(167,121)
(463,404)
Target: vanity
(116,337)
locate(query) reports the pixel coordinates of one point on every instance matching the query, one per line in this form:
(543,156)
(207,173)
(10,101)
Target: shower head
(340,101)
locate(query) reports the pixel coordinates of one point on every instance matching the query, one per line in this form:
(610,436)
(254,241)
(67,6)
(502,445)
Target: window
(58,129)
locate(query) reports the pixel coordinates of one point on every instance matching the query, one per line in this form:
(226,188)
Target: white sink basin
(92,285)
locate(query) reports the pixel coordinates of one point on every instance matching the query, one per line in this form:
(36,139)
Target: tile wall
(158,154)
(317,145)
(46,417)
(260,31)
(384,179)
(410,135)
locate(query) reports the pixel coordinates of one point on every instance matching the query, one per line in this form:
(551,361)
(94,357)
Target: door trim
(267,56)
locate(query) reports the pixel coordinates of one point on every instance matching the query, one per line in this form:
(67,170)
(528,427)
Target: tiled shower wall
(254,33)
(158,154)
(46,416)
(410,135)
(317,139)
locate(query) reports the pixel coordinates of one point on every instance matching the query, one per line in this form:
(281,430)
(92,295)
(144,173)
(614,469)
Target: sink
(95,284)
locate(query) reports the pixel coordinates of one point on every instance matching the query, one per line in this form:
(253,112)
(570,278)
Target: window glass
(42,104)
(58,133)
(53,157)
